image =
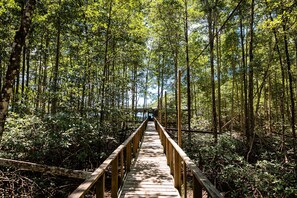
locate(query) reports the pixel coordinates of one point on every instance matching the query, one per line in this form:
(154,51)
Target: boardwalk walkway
(150,175)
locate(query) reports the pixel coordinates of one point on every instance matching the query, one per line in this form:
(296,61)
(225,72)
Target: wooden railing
(120,162)
(179,163)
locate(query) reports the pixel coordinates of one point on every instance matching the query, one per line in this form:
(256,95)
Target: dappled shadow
(150,175)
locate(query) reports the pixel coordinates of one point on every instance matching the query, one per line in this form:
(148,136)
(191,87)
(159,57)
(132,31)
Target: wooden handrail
(175,157)
(97,178)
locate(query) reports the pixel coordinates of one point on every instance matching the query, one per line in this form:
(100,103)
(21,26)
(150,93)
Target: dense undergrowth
(270,171)
(63,140)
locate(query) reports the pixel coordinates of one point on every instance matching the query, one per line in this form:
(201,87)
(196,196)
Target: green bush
(225,163)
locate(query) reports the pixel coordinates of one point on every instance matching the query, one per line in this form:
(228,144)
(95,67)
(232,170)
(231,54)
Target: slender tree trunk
(56,68)
(244,80)
(1,73)
(188,74)
(44,80)
(105,69)
(290,89)
(28,63)
(175,53)
(14,62)
(213,95)
(219,82)
(23,69)
(250,134)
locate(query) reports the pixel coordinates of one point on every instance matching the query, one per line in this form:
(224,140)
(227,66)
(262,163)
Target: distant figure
(150,118)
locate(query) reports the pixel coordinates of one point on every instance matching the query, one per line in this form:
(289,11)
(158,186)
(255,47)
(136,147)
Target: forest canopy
(73,73)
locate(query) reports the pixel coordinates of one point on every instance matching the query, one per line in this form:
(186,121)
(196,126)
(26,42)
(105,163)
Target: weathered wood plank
(53,170)
(150,175)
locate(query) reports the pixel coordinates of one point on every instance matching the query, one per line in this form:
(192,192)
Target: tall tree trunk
(56,68)
(28,63)
(44,80)
(289,71)
(175,54)
(39,76)
(251,85)
(105,69)
(244,80)
(23,69)
(213,94)
(219,82)
(188,74)
(1,73)
(14,62)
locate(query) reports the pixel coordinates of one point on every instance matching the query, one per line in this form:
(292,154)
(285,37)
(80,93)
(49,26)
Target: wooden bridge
(148,164)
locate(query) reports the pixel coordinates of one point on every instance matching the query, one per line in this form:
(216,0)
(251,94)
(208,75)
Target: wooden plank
(177,171)
(128,156)
(197,188)
(150,175)
(100,187)
(202,179)
(114,178)
(78,174)
(83,188)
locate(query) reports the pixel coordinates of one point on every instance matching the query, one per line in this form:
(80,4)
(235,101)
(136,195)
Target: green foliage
(226,164)
(56,140)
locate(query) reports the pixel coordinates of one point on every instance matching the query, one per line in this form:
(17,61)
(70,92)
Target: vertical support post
(100,187)
(177,171)
(161,109)
(135,145)
(128,157)
(167,152)
(122,165)
(165,119)
(179,134)
(171,158)
(197,188)
(114,178)
(185,179)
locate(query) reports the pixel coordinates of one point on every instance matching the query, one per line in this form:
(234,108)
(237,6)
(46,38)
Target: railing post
(171,158)
(114,178)
(122,165)
(134,145)
(197,188)
(177,171)
(100,187)
(185,179)
(167,151)
(128,156)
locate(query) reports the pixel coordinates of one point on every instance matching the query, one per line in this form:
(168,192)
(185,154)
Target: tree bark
(219,83)
(188,74)
(251,118)
(106,64)
(14,62)
(213,94)
(244,80)
(290,88)
(56,68)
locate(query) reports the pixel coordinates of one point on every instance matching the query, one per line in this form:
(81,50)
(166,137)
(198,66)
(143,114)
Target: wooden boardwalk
(150,175)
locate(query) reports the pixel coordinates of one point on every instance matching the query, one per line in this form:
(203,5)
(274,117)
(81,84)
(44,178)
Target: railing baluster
(175,156)
(122,165)
(97,178)
(185,179)
(128,157)
(197,188)
(171,158)
(114,178)
(134,146)
(100,187)
(167,152)
(177,171)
